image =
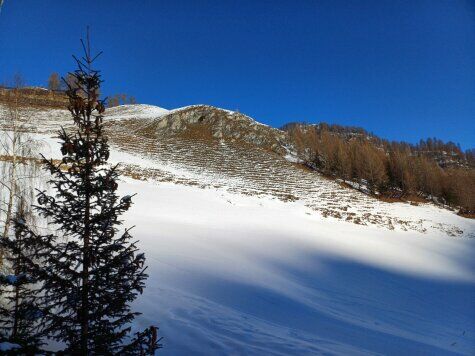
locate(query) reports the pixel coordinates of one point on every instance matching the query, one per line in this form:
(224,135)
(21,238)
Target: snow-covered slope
(136,111)
(233,274)
(250,254)
(210,147)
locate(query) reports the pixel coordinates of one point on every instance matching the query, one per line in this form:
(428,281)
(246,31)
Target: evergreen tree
(90,272)
(19,308)
(144,343)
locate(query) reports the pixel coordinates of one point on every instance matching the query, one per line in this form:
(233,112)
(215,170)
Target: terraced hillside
(210,147)
(207,146)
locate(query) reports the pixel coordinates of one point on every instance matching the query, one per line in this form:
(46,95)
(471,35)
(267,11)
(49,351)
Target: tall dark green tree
(90,271)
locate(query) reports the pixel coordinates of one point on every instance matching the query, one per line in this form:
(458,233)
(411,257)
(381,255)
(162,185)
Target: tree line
(432,169)
(56,83)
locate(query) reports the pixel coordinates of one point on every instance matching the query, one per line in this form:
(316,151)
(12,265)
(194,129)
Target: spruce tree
(19,308)
(90,271)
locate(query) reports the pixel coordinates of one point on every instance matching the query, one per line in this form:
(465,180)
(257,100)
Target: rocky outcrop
(207,122)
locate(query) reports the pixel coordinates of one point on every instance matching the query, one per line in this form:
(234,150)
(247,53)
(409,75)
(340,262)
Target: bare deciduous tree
(15,147)
(54,81)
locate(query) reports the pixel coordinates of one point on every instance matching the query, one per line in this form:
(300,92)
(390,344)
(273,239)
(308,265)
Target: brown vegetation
(431,169)
(120,99)
(54,82)
(34,97)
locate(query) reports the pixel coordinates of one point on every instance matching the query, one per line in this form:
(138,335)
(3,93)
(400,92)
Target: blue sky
(402,69)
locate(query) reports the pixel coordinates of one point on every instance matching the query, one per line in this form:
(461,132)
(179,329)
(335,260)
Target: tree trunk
(86,254)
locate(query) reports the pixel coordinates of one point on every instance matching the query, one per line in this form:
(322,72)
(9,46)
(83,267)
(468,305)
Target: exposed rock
(203,122)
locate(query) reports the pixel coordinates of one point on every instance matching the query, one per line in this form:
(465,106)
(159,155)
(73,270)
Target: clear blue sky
(402,69)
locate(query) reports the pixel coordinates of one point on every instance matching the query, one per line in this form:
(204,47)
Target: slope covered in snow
(135,111)
(210,147)
(233,274)
(250,254)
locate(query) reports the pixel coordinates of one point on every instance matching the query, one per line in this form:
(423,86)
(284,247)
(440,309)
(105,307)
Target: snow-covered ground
(135,111)
(231,274)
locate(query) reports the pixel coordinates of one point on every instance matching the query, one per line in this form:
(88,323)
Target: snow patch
(8,346)
(136,111)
